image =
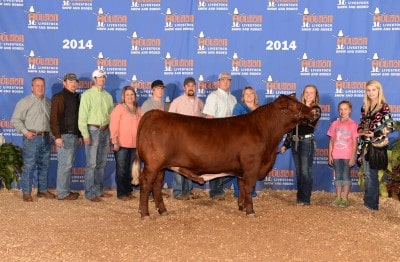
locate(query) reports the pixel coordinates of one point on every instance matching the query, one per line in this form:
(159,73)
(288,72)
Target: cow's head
(288,105)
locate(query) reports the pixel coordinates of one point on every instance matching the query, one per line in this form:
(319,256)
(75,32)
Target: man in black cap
(64,126)
(155,102)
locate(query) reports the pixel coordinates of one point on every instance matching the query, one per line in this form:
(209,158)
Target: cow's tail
(136,169)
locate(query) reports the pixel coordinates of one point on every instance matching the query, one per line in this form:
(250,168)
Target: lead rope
(296,138)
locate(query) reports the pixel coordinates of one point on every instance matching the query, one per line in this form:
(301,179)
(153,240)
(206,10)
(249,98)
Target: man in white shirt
(220,104)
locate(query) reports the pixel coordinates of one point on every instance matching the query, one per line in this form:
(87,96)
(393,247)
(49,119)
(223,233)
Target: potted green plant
(10,164)
(393,170)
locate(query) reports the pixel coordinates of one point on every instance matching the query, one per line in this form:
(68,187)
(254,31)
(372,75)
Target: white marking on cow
(206,177)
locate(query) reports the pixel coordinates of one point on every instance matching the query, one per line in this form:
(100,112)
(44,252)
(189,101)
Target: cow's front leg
(248,202)
(157,193)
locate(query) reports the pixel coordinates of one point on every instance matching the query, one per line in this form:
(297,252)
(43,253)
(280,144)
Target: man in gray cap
(64,126)
(220,104)
(94,117)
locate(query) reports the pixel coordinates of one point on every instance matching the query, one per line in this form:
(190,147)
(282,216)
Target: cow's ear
(293,95)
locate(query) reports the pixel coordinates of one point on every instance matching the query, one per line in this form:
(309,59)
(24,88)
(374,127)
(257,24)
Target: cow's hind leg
(157,193)
(146,180)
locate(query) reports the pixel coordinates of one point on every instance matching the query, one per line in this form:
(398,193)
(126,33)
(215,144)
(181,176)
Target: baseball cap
(189,80)
(224,75)
(71,77)
(98,73)
(156,83)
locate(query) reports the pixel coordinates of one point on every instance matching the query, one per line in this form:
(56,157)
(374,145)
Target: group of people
(91,119)
(348,144)
(72,120)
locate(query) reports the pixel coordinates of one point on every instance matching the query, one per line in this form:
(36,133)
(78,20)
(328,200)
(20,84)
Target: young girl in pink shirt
(342,151)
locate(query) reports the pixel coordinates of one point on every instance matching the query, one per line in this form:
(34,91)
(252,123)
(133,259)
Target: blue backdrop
(276,46)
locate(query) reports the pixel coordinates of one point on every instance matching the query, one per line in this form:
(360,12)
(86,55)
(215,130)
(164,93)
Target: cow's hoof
(251,215)
(144,214)
(162,212)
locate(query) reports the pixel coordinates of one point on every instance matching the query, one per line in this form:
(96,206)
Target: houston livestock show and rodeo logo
(276,46)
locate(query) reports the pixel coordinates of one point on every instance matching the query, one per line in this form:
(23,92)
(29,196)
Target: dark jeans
(217,187)
(371,196)
(303,160)
(181,185)
(123,161)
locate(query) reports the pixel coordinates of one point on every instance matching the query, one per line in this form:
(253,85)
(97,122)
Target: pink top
(186,106)
(343,135)
(124,125)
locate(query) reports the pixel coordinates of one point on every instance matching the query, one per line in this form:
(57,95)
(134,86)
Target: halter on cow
(244,146)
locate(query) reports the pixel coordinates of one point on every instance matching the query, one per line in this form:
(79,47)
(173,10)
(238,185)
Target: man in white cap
(219,104)
(94,117)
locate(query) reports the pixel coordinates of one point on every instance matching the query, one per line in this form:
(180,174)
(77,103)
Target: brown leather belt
(39,133)
(101,128)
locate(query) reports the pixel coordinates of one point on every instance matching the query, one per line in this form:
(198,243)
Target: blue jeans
(236,188)
(181,185)
(303,161)
(342,172)
(36,155)
(66,159)
(217,187)
(123,168)
(371,196)
(96,160)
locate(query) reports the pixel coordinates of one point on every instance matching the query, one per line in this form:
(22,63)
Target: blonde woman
(376,122)
(248,103)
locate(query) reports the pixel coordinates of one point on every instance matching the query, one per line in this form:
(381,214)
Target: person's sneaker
(182,197)
(344,202)
(105,194)
(193,196)
(70,196)
(96,199)
(74,193)
(46,194)
(27,198)
(337,202)
(125,198)
(219,197)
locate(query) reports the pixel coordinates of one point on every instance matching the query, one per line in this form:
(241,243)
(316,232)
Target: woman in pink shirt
(124,121)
